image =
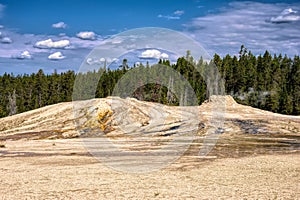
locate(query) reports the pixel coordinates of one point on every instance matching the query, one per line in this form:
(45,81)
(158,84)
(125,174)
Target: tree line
(265,81)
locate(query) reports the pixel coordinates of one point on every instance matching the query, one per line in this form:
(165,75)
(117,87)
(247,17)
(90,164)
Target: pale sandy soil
(62,169)
(252,154)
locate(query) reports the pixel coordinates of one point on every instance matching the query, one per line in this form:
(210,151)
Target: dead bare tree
(12,105)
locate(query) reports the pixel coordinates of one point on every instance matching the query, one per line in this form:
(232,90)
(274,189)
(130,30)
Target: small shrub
(2,145)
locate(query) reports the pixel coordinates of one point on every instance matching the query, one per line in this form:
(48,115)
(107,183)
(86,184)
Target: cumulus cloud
(6,40)
(12,58)
(86,35)
(286,16)
(153,54)
(59,25)
(77,48)
(23,55)
(56,56)
(48,44)
(247,23)
(12,43)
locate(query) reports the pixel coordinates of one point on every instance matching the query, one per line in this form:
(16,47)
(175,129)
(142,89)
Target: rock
(130,116)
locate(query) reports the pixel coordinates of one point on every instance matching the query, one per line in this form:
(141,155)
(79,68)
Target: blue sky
(59,34)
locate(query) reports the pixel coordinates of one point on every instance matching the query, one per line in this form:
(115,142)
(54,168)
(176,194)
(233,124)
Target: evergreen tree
(267,82)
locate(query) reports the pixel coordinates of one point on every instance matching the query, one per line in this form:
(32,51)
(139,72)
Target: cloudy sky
(59,34)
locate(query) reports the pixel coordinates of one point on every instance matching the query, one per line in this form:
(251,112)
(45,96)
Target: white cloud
(175,16)
(60,25)
(1,26)
(86,35)
(100,61)
(6,40)
(137,63)
(287,15)
(26,54)
(56,56)
(247,23)
(23,55)
(48,44)
(77,48)
(164,56)
(288,11)
(179,12)
(153,53)
(92,61)
(19,43)
(168,17)
(11,55)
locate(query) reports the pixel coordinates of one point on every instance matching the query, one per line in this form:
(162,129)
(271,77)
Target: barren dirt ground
(63,169)
(256,155)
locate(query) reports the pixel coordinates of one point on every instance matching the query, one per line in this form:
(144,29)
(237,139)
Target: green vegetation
(266,82)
